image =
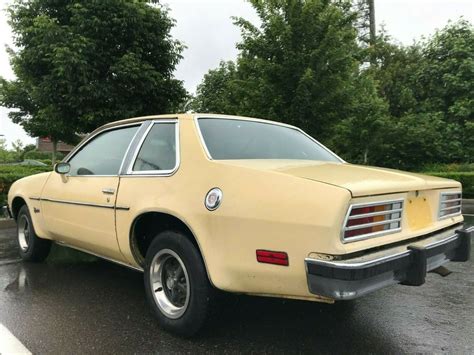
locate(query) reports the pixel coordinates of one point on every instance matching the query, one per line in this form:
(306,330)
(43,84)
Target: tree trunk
(373,59)
(55,150)
(366,155)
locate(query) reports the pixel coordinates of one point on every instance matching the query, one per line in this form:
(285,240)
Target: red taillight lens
(364,221)
(272,257)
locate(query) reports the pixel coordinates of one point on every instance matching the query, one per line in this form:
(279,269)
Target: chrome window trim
(240,118)
(168,172)
(134,142)
(447,193)
(375,234)
(78,148)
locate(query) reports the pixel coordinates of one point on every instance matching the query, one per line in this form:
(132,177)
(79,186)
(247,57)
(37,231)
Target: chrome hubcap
(23,233)
(170,282)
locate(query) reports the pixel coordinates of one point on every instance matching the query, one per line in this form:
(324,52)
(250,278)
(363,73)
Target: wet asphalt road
(79,304)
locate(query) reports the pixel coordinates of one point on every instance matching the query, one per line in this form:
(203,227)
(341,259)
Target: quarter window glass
(103,155)
(158,151)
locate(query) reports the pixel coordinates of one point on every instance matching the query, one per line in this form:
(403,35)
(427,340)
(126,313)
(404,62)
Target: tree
(298,67)
(217,92)
(446,86)
(301,66)
(428,87)
(82,64)
(360,136)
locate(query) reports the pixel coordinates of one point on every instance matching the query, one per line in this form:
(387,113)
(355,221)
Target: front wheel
(176,283)
(31,247)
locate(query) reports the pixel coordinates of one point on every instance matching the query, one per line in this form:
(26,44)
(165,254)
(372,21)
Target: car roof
(184,116)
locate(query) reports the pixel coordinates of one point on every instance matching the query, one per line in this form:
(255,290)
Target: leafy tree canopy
(80,64)
(306,64)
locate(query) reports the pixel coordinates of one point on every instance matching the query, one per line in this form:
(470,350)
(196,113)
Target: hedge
(449,168)
(10,173)
(465,178)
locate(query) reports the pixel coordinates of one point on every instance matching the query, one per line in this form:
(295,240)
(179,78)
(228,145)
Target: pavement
(74,303)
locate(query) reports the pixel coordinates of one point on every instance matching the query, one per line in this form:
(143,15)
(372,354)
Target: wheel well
(17,203)
(148,225)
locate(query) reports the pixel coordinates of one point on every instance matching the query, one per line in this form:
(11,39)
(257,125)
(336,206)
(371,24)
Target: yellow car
(201,202)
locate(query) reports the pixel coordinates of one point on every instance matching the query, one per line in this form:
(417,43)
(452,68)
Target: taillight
(450,204)
(372,219)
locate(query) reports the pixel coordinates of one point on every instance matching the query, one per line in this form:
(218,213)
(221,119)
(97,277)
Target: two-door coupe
(202,202)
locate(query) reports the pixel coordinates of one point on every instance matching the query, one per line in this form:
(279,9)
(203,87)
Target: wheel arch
(147,225)
(17,203)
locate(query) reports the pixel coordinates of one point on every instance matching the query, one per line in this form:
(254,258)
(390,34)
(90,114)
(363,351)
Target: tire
(30,246)
(176,284)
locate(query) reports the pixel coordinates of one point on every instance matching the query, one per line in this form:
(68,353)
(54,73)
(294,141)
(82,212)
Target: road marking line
(9,344)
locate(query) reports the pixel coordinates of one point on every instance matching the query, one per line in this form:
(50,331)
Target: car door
(79,207)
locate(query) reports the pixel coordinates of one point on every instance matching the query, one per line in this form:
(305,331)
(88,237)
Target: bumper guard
(406,264)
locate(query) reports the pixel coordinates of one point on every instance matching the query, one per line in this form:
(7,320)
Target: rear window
(228,139)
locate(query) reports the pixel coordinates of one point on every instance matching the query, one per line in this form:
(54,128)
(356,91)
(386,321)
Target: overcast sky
(206,28)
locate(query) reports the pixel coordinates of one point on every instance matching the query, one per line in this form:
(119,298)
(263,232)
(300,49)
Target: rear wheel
(176,283)
(31,247)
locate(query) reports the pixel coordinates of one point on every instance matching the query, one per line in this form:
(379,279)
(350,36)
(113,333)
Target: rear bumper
(406,264)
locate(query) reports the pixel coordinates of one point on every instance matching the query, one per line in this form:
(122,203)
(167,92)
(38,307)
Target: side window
(158,151)
(103,155)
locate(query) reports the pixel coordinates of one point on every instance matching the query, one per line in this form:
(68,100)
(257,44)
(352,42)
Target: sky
(207,29)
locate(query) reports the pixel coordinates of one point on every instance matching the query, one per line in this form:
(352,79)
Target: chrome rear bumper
(406,264)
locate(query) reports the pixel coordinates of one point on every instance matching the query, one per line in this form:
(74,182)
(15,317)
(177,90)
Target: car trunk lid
(359,180)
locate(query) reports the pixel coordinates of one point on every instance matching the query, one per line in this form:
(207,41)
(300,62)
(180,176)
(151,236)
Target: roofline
(181,116)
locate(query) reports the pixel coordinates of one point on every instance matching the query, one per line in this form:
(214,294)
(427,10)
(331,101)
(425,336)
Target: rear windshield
(239,139)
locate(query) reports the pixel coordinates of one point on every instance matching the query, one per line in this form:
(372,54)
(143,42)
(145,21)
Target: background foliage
(307,64)
(80,64)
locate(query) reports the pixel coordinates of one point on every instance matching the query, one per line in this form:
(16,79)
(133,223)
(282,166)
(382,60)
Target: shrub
(37,155)
(10,173)
(454,167)
(465,178)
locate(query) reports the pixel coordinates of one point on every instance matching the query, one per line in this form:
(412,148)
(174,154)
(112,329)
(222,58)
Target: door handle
(108,190)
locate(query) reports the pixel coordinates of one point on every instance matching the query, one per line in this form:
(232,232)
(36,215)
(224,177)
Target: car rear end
(392,238)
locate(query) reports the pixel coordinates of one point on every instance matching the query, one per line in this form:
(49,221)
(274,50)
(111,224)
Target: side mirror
(62,168)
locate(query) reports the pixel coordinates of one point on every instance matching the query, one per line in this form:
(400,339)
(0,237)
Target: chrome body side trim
(237,118)
(129,170)
(87,204)
(78,203)
(64,244)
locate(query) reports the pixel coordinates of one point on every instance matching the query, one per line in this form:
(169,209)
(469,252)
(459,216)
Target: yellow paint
(418,212)
(283,205)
